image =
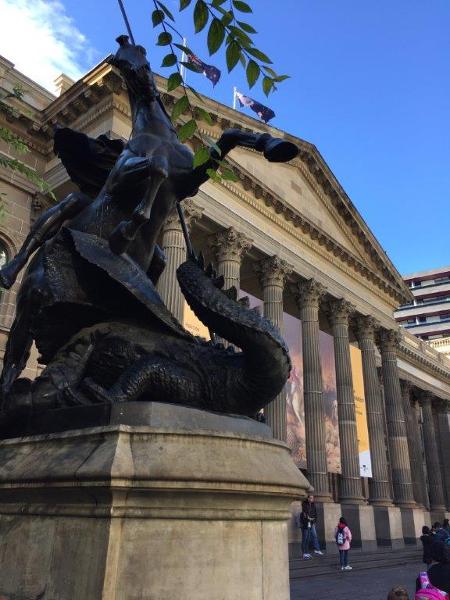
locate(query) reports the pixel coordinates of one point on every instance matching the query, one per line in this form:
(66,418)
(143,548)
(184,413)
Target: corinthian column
(395,420)
(435,486)
(379,483)
(272,275)
(414,446)
(229,246)
(443,417)
(309,294)
(174,248)
(351,488)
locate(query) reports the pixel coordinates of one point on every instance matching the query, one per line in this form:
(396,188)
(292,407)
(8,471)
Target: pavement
(362,584)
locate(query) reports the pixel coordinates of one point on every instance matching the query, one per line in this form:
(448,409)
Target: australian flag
(264,112)
(211,72)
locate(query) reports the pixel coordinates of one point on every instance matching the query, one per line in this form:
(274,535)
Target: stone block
(123,512)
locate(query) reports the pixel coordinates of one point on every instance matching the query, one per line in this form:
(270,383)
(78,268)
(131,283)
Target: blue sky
(370,87)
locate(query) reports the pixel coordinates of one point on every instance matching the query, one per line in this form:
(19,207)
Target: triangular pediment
(289,184)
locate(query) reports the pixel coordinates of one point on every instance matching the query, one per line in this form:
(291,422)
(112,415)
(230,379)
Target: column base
(116,512)
(361,521)
(388,526)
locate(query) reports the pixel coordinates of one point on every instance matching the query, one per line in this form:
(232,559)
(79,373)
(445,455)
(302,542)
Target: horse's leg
(126,231)
(274,150)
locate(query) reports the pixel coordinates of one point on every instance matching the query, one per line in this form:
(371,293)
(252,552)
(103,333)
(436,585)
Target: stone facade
(290,236)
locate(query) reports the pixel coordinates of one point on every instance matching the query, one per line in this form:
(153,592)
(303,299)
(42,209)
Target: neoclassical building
(366,410)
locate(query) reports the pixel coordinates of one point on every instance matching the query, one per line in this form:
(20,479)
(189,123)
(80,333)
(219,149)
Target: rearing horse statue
(95,258)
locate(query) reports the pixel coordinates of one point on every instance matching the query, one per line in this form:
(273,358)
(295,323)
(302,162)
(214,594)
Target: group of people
(431,584)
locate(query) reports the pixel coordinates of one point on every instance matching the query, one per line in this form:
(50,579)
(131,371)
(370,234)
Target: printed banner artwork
(295,407)
(193,324)
(362,431)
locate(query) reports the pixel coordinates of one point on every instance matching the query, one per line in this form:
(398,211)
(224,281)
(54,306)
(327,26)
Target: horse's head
(132,62)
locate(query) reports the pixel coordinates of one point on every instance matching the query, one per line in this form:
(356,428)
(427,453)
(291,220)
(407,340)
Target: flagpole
(234,97)
(183,71)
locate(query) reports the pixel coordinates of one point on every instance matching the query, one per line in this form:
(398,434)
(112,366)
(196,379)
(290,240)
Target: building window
(422,319)
(3,260)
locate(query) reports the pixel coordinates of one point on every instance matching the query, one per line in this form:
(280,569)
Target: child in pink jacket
(343,537)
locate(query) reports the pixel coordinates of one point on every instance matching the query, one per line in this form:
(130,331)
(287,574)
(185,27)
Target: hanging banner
(365,465)
(194,325)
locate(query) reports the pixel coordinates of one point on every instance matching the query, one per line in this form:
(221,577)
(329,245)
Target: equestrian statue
(88,298)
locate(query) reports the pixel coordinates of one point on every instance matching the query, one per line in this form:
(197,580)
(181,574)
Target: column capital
(229,244)
(339,311)
(405,386)
(272,270)
(389,340)
(192,212)
(366,326)
(308,293)
(425,397)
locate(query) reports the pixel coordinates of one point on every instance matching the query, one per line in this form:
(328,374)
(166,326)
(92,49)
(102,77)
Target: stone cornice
(425,358)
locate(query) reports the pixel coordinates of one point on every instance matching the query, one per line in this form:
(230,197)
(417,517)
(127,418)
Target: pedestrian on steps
(307,522)
(343,537)
(427,541)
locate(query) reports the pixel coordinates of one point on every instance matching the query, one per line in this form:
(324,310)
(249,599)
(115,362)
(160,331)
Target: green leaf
(269,71)
(240,36)
(165,10)
(203,115)
(201,157)
(213,175)
(267,85)
(191,66)
(281,77)
(217,3)
(227,17)
(184,4)
(164,39)
(228,174)
(216,35)
(200,15)
(169,60)
(180,106)
(184,49)
(242,6)
(259,55)
(232,55)
(196,94)
(157,17)
(246,27)
(253,72)
(187,130)
(174,81)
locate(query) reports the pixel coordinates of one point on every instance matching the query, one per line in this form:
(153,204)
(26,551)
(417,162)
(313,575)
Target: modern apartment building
(428,316)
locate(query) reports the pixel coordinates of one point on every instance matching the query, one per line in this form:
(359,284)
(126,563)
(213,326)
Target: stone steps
(329,563)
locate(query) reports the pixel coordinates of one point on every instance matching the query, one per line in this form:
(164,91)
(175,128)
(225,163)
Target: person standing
(308,518)
(427,540)
(343,537)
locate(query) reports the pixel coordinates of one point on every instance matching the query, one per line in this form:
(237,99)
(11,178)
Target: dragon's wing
(87,160)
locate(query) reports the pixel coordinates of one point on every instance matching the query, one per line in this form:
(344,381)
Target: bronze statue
(88,297)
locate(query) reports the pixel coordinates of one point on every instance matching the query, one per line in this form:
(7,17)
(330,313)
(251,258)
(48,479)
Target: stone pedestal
(158,511)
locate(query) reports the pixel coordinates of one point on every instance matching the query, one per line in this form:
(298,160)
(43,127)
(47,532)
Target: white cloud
(42,40)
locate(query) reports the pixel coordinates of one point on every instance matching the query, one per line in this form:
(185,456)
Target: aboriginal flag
(211,72)
(264,112)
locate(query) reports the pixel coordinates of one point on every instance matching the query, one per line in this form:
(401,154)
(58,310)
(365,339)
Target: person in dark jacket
(308,518)
(427,540)
(439,574)
(441,532)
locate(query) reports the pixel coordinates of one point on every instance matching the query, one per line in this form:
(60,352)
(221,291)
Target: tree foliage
(18,145)
(225,29)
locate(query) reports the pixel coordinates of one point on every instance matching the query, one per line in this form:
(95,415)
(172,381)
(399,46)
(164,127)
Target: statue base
(157,510)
